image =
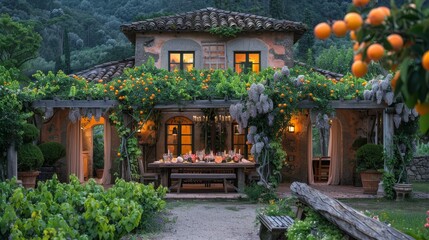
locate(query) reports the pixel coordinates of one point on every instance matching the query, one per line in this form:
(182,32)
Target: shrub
(57,210)
(259,193)
(52,151)
(29,157)
(369,157)
(314,226)
(280,207)
(31,133)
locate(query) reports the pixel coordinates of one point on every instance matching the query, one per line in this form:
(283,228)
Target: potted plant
(30,158)
(52,152)
(370,164)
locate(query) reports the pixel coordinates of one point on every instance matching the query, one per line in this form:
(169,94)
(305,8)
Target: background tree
(18,42)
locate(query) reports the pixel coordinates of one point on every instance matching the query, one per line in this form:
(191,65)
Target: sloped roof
(106,71)
(204,19)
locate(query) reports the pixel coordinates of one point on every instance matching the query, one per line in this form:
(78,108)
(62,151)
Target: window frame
(247,53)
(246,147)
(181,63)
(178,144)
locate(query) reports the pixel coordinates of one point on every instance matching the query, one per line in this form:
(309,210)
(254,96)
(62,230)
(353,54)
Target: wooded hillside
(93,35)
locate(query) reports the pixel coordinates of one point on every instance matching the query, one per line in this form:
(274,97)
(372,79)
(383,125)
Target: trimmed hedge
(31,133)
(369,157)
(30,157)
(52,152)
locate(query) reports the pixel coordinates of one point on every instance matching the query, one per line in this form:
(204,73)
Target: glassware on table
(200,155)
(165,157)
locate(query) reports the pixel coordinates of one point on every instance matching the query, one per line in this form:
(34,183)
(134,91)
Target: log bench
(274,227)
(203,176)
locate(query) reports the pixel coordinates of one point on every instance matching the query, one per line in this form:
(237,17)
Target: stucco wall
(56,130)
(277,53)
(354,124)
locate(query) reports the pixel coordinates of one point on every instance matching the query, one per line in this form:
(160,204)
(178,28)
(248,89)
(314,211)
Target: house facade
(212,39)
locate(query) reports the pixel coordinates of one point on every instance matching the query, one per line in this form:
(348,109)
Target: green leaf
(424,123)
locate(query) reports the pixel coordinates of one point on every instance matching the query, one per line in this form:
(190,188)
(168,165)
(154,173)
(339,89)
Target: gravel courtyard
(209,220)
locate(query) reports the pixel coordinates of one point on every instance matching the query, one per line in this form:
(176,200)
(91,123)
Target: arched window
(179,136)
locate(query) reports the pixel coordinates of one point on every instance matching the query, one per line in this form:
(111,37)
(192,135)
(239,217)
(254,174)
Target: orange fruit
(355,46)
(386,10)
(395,79)
(359,68)
(425,60)
(395,41)
(375,51)
(422,108)
(360,3)
(376,16)
(357,57)
(353,20)
(322,31)
(353,35)
(339,28)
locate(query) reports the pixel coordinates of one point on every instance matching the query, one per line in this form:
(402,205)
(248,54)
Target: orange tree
(397,38)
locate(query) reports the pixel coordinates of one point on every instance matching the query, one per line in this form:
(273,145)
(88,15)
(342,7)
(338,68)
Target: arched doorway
(88,144)
(325,156)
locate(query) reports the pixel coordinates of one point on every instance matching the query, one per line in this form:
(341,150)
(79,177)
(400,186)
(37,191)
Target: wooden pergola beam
(200,104)
(346,104)
(75,103)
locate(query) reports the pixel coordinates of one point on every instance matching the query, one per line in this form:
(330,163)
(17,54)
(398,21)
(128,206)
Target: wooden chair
(146,177)
(321,169)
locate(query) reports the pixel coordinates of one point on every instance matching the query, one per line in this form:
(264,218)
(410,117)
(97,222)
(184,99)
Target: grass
(421,187)
(407,216)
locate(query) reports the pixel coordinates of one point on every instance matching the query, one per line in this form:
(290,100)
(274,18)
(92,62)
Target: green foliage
(75,211)
(409,20)
(225,31)
(369,157)
(314,226)
(31,133)
(422,149)
(52,152)
(30,157)
(18,42)
(403,151)
(259,193)
(335,59)
(98,150)
(388,183)
(280,207)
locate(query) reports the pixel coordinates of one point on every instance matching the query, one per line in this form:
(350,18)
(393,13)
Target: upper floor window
(181,60)
(245,62)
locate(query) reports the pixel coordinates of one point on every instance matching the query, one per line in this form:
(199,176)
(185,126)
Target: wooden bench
(274,227)
(203,176)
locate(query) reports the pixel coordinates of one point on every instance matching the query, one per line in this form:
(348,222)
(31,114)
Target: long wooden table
(166,168)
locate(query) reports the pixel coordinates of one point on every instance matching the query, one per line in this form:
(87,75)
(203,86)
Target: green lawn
(421,187)
(407,216)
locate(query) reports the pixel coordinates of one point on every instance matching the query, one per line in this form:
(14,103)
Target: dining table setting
(221,161)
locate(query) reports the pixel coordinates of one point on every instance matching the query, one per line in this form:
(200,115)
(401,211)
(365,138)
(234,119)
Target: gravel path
(210,220)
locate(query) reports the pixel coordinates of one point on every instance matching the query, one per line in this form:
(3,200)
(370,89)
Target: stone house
(195,40)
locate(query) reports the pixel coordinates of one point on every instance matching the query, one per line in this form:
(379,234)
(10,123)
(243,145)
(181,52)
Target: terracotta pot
(28,178)
(370,181)
(99,173)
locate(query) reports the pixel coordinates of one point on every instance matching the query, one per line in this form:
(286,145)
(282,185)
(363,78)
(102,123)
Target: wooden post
(12,162)
(352,222)
(388,132)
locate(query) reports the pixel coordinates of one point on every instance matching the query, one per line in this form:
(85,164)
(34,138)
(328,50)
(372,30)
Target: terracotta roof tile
(106,71)
(204,19)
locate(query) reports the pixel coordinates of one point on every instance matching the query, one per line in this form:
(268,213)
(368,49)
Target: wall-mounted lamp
(236,130)
(291,128)
(174,131)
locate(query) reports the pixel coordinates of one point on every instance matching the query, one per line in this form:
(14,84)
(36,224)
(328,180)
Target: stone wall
(419,169)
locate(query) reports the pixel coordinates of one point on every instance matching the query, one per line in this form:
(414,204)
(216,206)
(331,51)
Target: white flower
(250,138)
(253,93)
(253,129)
(379,96)
(367,94)
(259,147)
(285,71)
(260,88)
(388,98)
(277,76)
(270,119)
